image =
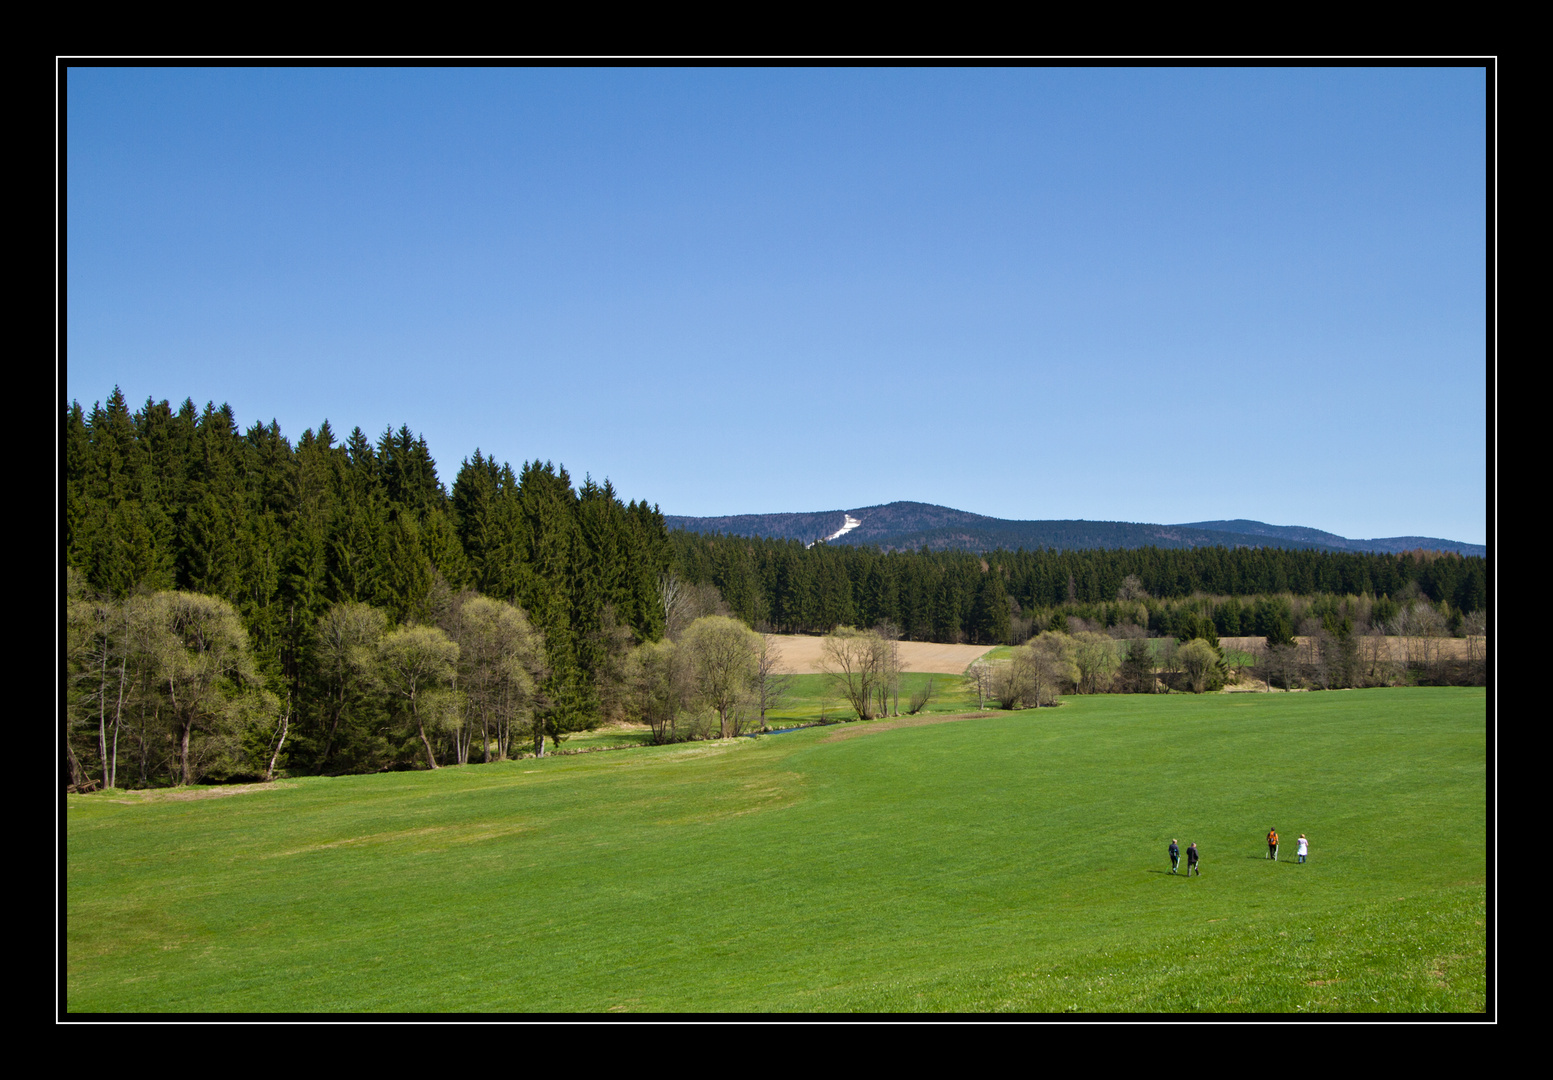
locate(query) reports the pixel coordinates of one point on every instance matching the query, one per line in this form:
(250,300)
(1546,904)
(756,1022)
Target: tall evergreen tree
(356,550)
(946,609)
(988,623)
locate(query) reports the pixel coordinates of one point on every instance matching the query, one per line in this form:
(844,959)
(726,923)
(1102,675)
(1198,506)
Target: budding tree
(501,662)
(1199,660)
(1038,671)
(202,664)
(771,685)
(1095,655)
(413,664)
(853,659)
(658,686)
(723,660)
(979,677)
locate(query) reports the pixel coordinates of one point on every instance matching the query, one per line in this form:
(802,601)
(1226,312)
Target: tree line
(1003,597)
(297,539)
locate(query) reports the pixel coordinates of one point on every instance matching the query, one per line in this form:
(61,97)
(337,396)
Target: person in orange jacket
(1272,844)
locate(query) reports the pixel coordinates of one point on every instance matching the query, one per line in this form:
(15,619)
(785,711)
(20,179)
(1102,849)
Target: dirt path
(801,655)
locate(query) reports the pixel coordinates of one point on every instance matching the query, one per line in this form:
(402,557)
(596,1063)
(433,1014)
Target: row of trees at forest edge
(166,686)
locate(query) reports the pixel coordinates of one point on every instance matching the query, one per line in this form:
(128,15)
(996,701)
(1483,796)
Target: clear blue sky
(1116,294)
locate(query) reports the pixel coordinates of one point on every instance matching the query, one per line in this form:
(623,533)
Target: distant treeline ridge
(950,596)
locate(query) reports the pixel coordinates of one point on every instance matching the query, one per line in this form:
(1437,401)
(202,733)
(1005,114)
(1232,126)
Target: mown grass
(1012,863)
(610,738)
(809,699)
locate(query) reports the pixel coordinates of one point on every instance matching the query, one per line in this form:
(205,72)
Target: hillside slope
(913,525)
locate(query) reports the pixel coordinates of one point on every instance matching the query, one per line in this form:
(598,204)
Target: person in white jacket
(1304,848)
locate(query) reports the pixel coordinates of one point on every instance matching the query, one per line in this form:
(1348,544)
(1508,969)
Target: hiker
(1304,848)
(1272,844)
(1191,861)
(1175,856)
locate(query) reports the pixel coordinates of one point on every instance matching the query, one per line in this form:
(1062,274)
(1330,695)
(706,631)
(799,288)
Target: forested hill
(911,526)
(1298,536)
(805,528)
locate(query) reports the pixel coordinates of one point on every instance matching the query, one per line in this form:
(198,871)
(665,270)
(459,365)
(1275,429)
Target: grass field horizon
(1009,863)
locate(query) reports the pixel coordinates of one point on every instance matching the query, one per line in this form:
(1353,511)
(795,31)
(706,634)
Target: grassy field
(810,699)
(1011,863)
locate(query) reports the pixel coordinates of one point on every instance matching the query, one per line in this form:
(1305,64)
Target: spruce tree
(208,548)
(356,550)
(946,609)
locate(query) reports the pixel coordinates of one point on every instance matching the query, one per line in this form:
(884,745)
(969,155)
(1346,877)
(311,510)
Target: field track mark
(186,794)
(873,727)
(769,792)
(447,834)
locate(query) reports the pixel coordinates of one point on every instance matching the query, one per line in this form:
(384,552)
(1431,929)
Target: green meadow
(1009,863)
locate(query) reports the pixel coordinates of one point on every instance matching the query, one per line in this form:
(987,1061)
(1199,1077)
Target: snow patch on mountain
(848,524)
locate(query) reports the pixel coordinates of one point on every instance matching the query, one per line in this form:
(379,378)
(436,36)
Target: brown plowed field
(801,655)
(801,652)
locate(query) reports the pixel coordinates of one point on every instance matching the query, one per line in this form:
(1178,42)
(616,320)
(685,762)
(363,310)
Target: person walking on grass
(1191,861)
(1175,856)
(1304,848)
(1272,844)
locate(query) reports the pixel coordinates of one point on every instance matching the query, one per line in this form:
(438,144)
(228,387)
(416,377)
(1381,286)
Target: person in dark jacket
(1175,856)
(1191,861)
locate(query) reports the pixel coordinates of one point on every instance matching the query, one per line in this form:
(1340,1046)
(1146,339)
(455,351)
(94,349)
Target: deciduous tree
(980,677)
(1045,667)
(660,687)
(772,683)
(412,662)
(201,664)
(501,662)
(1095,655)
(1200,661)
(723,660)
(851,657)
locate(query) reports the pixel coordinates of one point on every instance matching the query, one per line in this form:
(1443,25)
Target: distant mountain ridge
(1317,538)
(910,526)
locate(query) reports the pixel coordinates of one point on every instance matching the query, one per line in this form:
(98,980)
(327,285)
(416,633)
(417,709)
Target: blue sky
(1118,294)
